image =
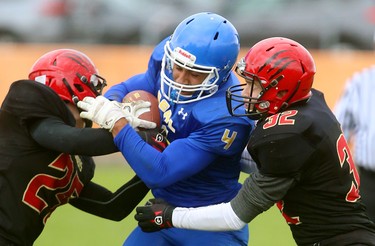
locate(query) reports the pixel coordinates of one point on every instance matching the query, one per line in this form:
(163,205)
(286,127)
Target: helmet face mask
(242,100)
(204,43)
(186,93)
(284,70)
(95,82)
(70,73)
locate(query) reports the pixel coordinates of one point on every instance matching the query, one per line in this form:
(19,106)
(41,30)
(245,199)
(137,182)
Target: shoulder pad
(279,145)
(28,99)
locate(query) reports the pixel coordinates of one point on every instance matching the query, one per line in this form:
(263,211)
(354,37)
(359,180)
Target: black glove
(155,215)
(155,137)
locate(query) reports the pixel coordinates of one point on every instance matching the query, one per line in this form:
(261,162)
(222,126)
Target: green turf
(70,226)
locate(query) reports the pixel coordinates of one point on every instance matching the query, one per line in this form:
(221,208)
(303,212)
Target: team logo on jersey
(181,112)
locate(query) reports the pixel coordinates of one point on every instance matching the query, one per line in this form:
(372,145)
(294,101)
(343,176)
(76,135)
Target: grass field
(70,226)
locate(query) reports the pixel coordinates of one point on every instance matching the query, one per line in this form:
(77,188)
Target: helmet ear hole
(281,94)
(49,81)
(79,87)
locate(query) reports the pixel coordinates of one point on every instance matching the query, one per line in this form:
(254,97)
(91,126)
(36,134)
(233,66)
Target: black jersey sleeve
(97,200)
(54,134)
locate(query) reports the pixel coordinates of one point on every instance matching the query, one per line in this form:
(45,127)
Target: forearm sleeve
(220,217)
(97,200)
(54,134)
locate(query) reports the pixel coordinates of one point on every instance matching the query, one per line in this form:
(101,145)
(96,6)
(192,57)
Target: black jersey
(34,180)
(305,142)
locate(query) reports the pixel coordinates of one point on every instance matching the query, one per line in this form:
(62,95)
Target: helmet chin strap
(75,99)
(285,104)
(74,96)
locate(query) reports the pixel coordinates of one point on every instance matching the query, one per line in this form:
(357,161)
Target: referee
(354,111)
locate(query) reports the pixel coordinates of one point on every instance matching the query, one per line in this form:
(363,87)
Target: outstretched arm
(258,194)
(63,138)
(97,200)
(157,215)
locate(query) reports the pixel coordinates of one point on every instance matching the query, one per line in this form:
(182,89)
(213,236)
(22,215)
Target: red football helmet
(70,73)
(285,72)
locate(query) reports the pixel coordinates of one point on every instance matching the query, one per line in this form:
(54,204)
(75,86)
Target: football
(151,115)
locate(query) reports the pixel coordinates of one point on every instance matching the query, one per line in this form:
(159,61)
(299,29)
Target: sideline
(118,62)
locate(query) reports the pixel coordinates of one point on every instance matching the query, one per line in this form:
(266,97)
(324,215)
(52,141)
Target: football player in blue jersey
(189,72)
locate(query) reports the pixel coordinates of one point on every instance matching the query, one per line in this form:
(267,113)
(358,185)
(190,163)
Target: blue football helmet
(205,43)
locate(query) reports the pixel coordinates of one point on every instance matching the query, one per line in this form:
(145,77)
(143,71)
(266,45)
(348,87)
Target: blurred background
(317,24)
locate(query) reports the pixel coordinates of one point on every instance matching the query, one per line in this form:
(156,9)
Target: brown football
(151,115)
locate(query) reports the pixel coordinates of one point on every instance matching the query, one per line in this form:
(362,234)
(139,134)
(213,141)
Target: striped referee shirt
(355,111)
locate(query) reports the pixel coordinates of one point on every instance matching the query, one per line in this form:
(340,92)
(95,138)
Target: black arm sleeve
(54,134)
(97,200)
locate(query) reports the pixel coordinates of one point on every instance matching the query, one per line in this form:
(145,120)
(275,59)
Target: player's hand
(133,110)
(155,215)
(101,111)
(106,113)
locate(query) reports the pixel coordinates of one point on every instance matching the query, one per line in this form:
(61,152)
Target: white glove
(106,113)
(133,110)
(101,111)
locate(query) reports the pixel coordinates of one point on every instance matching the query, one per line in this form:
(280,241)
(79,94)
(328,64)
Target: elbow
(116,216)
(153,183)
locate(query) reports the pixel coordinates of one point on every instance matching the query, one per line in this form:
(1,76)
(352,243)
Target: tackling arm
(83,141)
(63,138)
(97,200)
(258,194)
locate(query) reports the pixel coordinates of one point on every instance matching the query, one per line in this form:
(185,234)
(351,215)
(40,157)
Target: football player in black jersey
(304,162)
(45,149)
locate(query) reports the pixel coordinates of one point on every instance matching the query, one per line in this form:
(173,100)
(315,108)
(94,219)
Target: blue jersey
(201,166)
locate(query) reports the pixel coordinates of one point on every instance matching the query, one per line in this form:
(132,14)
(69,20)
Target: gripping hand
(101,111)
(155,215)
(106,113)
(133,110)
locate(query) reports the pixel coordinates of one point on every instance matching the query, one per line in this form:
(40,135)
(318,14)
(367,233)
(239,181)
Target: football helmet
(284,71)
(70,73)
(205,43)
